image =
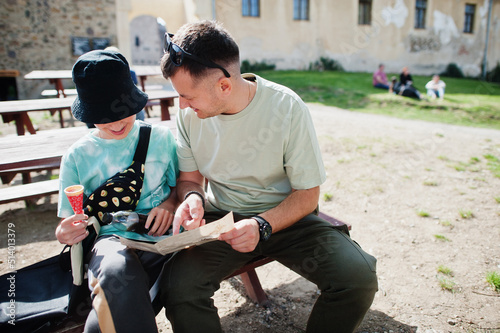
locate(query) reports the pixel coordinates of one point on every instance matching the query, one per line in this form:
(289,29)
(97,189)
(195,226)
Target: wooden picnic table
(143,72)
(44,149)
(55,77)
(47,147)
(18,110)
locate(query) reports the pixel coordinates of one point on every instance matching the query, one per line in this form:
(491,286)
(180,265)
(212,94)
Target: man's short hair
(204,39)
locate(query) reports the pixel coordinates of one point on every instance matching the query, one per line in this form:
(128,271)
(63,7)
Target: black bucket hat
(106,92)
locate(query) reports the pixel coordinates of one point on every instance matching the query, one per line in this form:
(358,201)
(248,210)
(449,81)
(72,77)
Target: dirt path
(383,174)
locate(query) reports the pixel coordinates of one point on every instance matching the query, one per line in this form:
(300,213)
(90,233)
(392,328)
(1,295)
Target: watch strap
(262,222)
(198,194)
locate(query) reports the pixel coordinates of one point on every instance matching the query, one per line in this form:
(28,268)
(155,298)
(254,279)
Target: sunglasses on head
(177,55)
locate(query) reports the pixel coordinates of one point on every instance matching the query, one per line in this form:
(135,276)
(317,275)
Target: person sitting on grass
(380,78)
(407,87)
(395,86)
(435,88)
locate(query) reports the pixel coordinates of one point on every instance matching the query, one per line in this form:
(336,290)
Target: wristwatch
(265,228)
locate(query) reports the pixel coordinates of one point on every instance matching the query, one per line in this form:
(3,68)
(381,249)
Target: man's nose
(183,103)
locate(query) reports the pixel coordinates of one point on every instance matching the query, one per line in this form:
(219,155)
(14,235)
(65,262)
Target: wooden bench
(55,93)
(8,175)
(249,275)
(29,191)
(249,278)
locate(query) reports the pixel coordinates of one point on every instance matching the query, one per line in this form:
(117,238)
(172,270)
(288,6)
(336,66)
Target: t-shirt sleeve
(302,161)
(187,162)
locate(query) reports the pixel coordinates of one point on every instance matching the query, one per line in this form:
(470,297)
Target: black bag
(122,191)
(107,192)
(36,298)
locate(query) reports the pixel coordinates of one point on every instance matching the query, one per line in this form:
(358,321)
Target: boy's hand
(72,230)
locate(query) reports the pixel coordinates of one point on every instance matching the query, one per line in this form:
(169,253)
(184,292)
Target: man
(253,140)
(380,78)
(435,87)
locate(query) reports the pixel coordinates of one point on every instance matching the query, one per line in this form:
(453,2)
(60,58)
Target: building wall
(173,12)
(333,32)
(37,35)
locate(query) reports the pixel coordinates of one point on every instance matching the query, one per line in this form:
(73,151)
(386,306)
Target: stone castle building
(425,35)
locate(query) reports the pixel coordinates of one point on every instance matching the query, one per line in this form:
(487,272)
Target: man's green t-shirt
(253,159)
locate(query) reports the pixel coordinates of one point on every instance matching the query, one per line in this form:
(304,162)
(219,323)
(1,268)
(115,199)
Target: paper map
(201,235)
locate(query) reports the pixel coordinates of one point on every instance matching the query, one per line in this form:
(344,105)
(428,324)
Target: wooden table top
(44,104)
(45,147)
(161,94)
(49,74)
(41,104)
(67,74)
(147,70)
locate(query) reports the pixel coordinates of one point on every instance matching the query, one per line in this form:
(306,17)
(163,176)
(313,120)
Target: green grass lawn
(466,102)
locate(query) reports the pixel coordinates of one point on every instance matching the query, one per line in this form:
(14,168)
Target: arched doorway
(146,33)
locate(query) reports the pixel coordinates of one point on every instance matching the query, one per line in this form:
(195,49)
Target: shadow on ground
(289,314)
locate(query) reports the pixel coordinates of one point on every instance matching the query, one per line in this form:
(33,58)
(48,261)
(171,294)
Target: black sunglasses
(177,54)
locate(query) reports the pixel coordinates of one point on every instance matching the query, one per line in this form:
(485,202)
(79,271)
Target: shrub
(254,66)
(494,74)
(452,70)
(326,64)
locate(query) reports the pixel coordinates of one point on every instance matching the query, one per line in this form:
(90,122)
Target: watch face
(265,231)
(265,228)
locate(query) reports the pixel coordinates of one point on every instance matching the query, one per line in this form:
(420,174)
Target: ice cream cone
(75,197)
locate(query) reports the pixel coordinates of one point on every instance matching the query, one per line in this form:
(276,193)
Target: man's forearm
(184,187)
(297,205)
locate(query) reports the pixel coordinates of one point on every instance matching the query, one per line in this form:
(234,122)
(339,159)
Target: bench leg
(254,288)
(30,203)
(59,87)
(164,105)
(7,177)
(26,121)
(143,86)
(61,119)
